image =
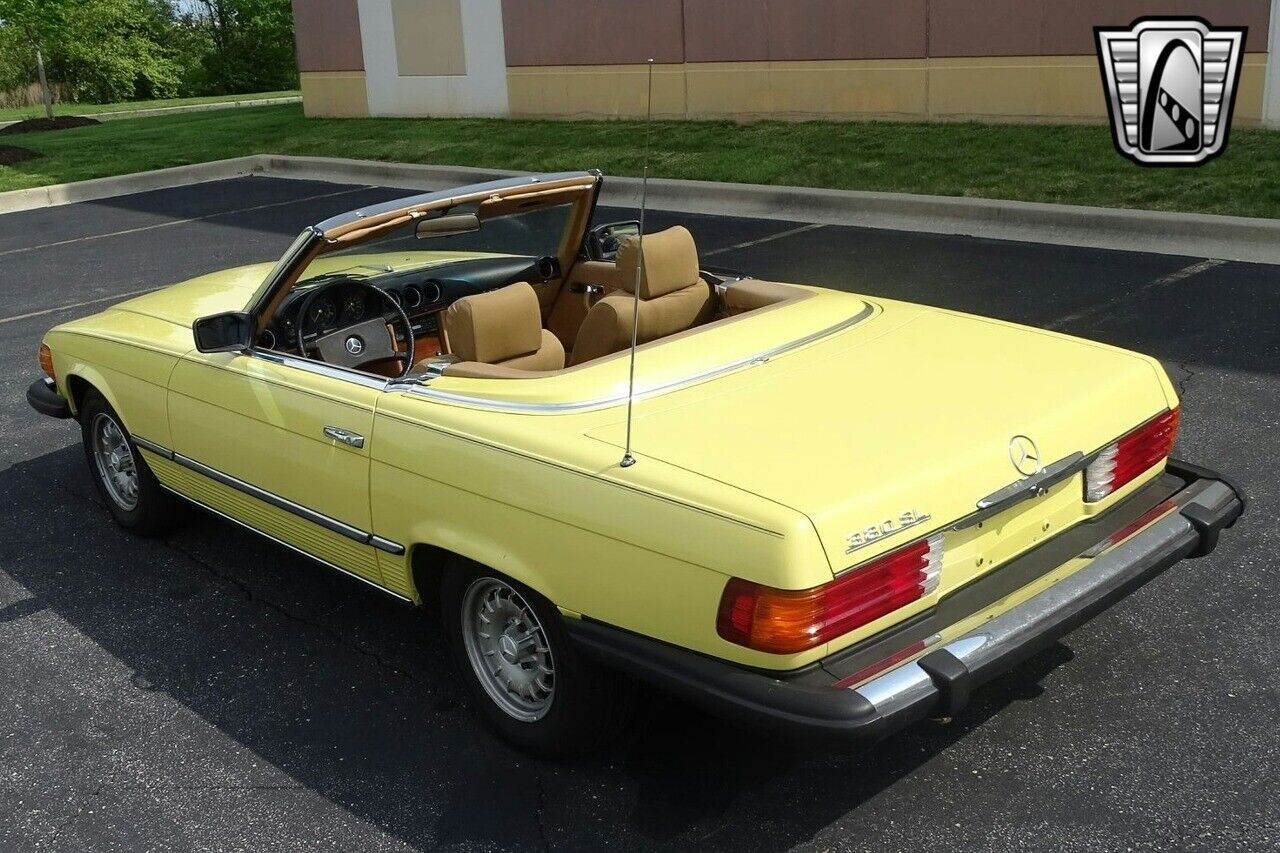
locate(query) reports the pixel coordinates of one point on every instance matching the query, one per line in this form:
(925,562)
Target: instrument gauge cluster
(322,314)
(354,307)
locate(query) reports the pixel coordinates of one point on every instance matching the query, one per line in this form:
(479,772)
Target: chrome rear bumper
(1184,523)
(939,682)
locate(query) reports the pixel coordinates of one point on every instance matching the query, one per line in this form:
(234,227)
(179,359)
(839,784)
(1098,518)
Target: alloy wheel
(508,649)
(116,466)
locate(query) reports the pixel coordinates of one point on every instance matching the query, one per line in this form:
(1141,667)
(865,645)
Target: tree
(117,50)
(251,44)
(39,23)
(104,51)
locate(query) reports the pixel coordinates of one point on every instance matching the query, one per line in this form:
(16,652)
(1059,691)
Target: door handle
(345,436)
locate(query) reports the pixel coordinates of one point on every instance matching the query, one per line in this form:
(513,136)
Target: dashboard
(422,293)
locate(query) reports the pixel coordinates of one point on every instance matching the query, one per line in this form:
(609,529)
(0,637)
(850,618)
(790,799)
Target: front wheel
(531,683)
(132,494)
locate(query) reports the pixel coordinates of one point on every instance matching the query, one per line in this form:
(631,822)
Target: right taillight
(1134,454)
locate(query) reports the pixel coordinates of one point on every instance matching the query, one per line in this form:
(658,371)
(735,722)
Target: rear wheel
(132,494)
(531,683)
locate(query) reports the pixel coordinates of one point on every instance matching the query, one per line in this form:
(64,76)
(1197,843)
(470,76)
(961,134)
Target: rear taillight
(1124,460)
(783,621)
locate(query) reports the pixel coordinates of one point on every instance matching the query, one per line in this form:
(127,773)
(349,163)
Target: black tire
(589,703)
(152,511)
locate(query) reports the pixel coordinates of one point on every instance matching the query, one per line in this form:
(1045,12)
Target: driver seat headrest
(504,327)
(670,262)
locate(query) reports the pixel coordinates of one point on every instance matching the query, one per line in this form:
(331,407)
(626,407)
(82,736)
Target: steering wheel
(364,343)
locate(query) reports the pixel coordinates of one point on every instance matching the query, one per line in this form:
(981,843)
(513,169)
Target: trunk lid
(914,416)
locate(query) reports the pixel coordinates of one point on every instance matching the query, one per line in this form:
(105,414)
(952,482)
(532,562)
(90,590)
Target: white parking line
(788,233)
(114,297)
(1187,272)
(173,222)
(1165,280)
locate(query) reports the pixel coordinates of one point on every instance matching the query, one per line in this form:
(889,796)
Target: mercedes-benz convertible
(845,513)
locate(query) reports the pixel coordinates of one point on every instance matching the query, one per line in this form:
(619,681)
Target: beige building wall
(947,60)
(330,58)
(334,94)
(1006,88)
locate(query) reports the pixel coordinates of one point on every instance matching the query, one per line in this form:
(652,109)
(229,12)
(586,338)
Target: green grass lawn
(37,111)
(1068,164)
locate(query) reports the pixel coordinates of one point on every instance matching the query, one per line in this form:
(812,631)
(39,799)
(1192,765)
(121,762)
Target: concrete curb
(184,108)
(99,188)
(1185,234)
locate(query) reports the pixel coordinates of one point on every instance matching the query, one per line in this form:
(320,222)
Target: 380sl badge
(888,527)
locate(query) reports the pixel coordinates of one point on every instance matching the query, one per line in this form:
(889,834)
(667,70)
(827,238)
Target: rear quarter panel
(628,553)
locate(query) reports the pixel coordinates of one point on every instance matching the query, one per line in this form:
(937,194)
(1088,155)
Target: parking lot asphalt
(212,691)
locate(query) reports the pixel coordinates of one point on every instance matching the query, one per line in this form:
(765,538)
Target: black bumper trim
(939,683)
(43,396)
(723,688)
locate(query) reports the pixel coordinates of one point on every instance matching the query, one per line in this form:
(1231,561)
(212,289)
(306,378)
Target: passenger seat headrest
(496,326)
(670,262)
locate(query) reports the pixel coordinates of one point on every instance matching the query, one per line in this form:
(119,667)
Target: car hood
(913,416)
(227,290)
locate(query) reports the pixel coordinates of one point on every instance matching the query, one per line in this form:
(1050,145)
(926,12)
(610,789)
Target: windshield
(532,234)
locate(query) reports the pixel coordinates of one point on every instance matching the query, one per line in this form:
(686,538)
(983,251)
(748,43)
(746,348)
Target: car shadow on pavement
(338,690)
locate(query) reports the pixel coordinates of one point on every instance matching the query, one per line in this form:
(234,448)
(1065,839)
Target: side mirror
(447,226)
(229,332)
(603,241)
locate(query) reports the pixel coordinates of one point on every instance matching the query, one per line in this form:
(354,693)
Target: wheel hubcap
(508,650)
(114,458)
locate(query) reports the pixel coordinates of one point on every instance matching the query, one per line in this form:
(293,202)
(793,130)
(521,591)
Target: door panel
(572,304)
(263,423)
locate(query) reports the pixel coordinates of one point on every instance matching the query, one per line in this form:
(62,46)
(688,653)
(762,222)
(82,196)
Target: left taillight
(782,621)
(1132,455)
(46,361)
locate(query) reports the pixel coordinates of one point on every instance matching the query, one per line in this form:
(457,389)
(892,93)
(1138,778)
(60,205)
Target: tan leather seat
(503,327)
(673,297)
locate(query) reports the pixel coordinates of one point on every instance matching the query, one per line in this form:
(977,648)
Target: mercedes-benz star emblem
(1025,456)
(355,346)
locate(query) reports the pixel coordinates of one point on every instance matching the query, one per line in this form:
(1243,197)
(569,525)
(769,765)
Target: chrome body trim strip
(984,649)
(327,522)
(386,545)
(331,524)
(319,368)
(157,449)
(292,548)
(474,401)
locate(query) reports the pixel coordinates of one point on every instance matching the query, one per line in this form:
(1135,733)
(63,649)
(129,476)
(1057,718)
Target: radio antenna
(627,459)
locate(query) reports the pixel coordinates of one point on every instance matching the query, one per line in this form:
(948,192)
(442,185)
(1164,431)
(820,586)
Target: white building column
(434,57)
(1271,91)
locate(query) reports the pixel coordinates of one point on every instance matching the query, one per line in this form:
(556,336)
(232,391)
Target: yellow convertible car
(839,514)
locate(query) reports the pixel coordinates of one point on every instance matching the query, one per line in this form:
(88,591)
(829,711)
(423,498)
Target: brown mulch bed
(31,125)
(10,154)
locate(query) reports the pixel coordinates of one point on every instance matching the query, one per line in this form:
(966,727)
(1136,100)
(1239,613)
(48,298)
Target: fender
(133,382)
